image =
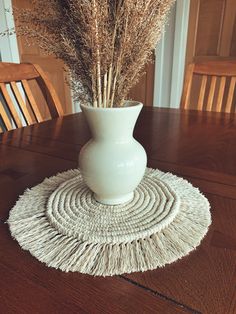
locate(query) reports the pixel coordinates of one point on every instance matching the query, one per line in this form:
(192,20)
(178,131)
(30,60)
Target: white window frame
(170,58)
(8,44)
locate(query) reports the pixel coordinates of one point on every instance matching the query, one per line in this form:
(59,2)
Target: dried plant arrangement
(105,44)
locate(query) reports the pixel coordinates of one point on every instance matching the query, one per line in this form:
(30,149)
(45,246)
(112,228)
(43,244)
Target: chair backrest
(17,101)
(217,86)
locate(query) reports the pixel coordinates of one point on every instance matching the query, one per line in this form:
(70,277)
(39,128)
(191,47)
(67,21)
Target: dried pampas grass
(104,43)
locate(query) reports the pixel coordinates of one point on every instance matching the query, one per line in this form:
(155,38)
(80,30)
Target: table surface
(198,146)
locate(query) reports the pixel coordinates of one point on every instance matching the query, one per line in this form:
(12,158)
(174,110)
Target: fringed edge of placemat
(33,232)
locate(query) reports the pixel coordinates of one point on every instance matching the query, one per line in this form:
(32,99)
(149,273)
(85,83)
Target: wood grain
(21,103)
(205,280)
(31,100)
(211,36)
(210,71)
(230,95)
(143,91)
(227,33)
(45,290)
(211,93)
(5,118)
(53,67)
(221,94)
(196,145)
(14,72)
(209,29)
(187,86)
(202,93)
(10,74)
(14,115)
(220,67)
(53,102)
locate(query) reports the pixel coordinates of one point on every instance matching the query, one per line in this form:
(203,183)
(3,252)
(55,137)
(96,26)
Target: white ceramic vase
(112,163)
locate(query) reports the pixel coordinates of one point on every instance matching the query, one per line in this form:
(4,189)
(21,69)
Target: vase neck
(112,124)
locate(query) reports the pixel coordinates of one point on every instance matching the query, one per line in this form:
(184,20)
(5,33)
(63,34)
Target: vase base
(115,201)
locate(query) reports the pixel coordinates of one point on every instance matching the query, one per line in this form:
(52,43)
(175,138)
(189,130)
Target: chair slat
(21,102)
(230,95)
(32,101)
(54,104)
(187,86)
(216,67)
(211,93)
(10,105)
(12,74)
(16,72)
(5,118)
(202,92)
(221,94)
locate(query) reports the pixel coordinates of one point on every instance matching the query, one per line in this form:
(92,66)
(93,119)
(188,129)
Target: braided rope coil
(61,224)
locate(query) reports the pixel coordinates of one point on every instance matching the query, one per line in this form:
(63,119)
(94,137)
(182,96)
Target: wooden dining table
(199,146)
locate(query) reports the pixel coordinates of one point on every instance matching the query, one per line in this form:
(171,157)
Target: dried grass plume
(105,44)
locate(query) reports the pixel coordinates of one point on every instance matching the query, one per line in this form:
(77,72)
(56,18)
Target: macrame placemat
(60,223)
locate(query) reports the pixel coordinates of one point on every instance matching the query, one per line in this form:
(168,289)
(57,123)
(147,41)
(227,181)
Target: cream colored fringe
(30,226)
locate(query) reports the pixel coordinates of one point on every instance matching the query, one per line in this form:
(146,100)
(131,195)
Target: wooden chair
(28,108)
(217,86)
